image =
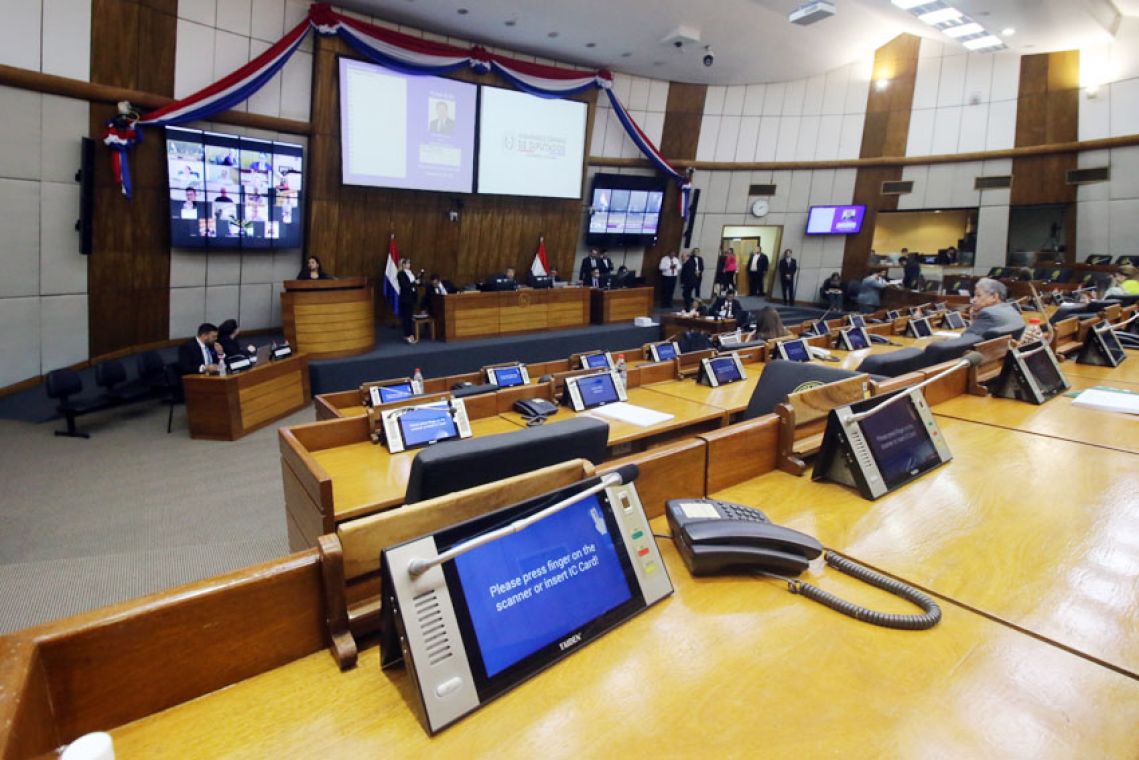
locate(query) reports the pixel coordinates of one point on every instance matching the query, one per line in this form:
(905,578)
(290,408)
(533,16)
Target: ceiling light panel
(908,4)
(940,16)
(964,30)
(980,43)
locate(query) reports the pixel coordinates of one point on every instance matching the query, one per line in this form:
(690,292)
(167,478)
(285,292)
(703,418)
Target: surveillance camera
(678,44)
(709,57)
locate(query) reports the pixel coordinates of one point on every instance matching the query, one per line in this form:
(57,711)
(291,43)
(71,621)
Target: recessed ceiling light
(510,23)
(881,84)
(983,42)
(964,30)
(462,11)
(591,44)
(940,16)
(551,35)
(907,4)
(1008,31)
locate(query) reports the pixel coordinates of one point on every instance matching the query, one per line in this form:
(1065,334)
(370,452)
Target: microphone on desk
(621,476)
(970,359)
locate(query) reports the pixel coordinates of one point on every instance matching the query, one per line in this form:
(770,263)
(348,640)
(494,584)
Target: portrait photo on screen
(529,145)
(233,192)
(403,131)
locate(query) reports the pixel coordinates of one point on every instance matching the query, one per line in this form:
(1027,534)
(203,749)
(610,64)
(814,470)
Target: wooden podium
(228,407)
(325,318)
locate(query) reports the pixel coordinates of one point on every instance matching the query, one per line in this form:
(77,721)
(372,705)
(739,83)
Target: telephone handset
(716,537)
(535,410)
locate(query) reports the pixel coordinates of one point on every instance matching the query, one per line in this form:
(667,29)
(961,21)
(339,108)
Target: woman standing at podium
(408,297)
(312,270)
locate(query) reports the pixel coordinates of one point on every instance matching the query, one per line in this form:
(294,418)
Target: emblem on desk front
(523,299)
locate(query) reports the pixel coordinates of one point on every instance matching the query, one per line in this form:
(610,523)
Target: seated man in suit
(727,307)
(597,279)
(436,285)
(199,355)
(989,310)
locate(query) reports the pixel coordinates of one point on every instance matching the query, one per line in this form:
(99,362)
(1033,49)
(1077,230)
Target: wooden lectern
(326,318)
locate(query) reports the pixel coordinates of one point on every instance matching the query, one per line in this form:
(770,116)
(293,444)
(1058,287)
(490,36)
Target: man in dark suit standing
(607,267)
(198,355)
(911,270)
(757,271)
(727,307)
(691,271)
(589,263)
(787,269)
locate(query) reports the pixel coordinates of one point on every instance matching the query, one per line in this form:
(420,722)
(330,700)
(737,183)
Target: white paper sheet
(1109,401)
(632,414)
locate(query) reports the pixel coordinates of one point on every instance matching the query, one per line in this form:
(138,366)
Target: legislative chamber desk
(329,318)
(478,315)
(227,407)
(673,325)
(619,304)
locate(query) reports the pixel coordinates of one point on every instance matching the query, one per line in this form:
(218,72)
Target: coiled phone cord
(931,613)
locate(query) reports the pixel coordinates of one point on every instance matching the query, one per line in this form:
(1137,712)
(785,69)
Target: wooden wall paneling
(684,111)
(884,134)
(1047,113)
(132,46)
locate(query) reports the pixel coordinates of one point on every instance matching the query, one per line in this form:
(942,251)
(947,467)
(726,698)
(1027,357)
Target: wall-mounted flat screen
(624,209)
(835,220)
(233,192)
(408,132)
(529,145)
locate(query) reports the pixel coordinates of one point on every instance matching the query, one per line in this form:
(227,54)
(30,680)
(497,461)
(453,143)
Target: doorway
(745,239)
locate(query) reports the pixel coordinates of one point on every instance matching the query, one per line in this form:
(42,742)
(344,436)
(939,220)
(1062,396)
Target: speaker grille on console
(429,617)
(1087,176)
(897,187)
(761,190)
(996,182)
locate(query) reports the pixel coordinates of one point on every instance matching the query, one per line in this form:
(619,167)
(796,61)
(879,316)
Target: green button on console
(638,534)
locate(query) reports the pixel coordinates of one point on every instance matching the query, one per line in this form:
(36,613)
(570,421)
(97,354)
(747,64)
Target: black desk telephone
(715,537)
(535,410)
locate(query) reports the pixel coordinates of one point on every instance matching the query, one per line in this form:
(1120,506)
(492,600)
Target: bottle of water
(621,370)
(1032,333)
(417,382)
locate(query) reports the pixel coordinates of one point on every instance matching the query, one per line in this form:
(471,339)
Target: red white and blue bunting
(401,52)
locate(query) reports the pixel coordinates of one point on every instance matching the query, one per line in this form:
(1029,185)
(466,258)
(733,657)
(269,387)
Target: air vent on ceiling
(897,187)
(1087,176)
(996,182)
(761,190)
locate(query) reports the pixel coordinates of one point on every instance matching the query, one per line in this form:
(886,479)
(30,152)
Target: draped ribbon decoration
(120,136)
(406,54)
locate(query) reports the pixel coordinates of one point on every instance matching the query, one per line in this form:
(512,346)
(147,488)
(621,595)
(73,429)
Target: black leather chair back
(895,363)
(150,367)
(110,373)
(781,378)
(948,350)
(462,391)
(452,466)
(61,383)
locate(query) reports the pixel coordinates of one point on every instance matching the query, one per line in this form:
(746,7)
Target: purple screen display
(835,220)
(410,132)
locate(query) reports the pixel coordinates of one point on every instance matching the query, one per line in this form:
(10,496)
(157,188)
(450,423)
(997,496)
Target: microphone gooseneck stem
(418,566)
(916,387)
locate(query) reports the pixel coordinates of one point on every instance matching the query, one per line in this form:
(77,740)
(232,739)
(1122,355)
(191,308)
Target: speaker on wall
(86,179)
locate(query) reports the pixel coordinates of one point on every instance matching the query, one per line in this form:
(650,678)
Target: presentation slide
(534,588)
(530,145)
(409,132)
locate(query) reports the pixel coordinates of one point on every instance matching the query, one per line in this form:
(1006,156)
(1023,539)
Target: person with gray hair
(990,312)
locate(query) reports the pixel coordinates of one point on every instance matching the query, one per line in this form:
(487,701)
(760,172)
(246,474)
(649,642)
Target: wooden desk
(732,398)
(673,325)
(476,315)
(326,318)
(367,478)
(1127,372)
(620,305)
(1057,418)
(1034,531)
(227,407)
(688,418)
(727,667)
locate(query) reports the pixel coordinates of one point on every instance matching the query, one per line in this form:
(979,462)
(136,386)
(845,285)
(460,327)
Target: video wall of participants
(418,133)
(624,207)
(233,192)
